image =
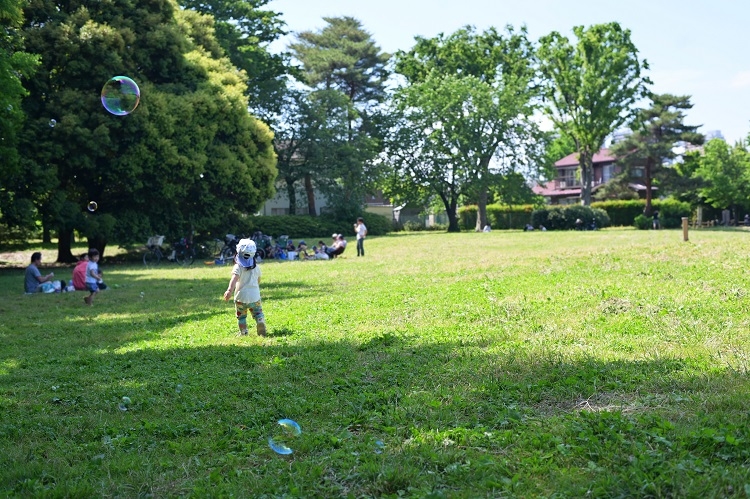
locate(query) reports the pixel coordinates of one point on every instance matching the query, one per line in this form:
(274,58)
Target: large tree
(189,154)
(590,87)
(311,128)
(725,171)
(343,57)
(472,94)
(652,145)
(15,64)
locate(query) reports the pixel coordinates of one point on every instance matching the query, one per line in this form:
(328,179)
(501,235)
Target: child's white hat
(246,252)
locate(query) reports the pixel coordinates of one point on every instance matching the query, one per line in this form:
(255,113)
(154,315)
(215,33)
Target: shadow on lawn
(433,405)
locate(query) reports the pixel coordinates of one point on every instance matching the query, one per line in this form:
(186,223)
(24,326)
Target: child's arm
(94,274)
(230,289)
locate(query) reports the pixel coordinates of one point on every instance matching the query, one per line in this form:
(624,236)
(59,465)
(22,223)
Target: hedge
(623,213)
(563,217)
(296,226)
(499,216)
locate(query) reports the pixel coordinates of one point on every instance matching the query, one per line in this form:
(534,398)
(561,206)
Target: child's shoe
(243,332)
(261,329)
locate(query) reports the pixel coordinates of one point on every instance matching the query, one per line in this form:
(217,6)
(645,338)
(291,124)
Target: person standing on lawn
(93,277)
(245,285)
(361,231)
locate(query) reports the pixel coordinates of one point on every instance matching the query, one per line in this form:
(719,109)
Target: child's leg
(241,309)
(260,320)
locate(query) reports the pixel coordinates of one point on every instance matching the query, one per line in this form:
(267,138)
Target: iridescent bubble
(178,389)
(286,431)
(379,446)
(124,404)
(120,95)
(52,123)
(93,206)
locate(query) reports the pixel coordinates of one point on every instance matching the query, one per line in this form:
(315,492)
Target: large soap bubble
(120,95)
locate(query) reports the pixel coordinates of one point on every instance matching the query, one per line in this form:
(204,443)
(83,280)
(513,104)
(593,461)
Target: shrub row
(499,216)
(624,213)
(296,226)
(563,217)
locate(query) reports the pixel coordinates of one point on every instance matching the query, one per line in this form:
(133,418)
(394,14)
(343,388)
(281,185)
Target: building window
(567,178)
(639,172)
(608,171)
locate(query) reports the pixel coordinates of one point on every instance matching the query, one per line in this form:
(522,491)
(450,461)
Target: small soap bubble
(120,95)
(178,389)
(285,433)
(143,294)
(52,123)
(379,446)
(124,404)
(93,206)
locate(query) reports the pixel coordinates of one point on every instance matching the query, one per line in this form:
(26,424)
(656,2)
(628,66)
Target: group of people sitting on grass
(322,251)
(86,277)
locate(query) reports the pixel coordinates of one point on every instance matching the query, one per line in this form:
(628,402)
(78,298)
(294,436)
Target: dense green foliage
(469,98)
(15,64)
(185,157)
(558,364)
(565,217)
(624,213)
(725,172)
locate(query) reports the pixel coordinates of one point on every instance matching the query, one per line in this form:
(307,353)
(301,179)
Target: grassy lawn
(610,363)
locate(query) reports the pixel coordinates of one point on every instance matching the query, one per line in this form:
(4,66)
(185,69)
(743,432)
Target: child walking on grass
(245,284)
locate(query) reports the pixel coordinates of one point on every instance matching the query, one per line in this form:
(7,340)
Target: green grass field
(610,363)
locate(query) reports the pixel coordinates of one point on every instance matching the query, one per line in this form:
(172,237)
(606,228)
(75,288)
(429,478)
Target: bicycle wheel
(189,256)
(152,257)
(260,254)
(179,256)
(227,253)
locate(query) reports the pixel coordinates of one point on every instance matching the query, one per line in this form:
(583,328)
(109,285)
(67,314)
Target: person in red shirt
(79,273)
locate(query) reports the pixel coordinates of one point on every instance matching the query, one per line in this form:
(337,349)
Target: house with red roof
(565,188)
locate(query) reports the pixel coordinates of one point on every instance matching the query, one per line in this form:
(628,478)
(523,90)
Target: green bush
(296,226)
(621,212)
(642,222)
(564,217)
(499,216)
(671,212)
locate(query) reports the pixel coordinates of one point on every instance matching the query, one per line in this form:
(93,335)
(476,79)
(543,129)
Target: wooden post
(684,228)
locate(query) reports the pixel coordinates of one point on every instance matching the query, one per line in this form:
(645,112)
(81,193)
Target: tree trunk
(311,210)
(46,235)
(450,210)
(482,219)
(99,243)
(292,195)
(647,210)
(586,177)
(64,242)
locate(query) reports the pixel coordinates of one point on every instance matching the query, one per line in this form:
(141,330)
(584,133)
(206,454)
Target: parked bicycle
(229,249)
(182,252)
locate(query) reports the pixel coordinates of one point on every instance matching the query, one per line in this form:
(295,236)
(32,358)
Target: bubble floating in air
(120,95)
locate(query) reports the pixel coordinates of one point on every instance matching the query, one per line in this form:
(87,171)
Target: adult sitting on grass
(337,247)
(33,280)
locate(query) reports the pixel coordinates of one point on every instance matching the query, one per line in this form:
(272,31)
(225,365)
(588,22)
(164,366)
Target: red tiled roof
(603,156)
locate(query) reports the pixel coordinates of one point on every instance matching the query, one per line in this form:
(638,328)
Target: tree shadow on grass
(453,417)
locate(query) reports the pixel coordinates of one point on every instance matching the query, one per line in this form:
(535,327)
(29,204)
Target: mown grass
(610,363)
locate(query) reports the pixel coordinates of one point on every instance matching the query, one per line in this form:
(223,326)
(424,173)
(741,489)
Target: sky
(698,48)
